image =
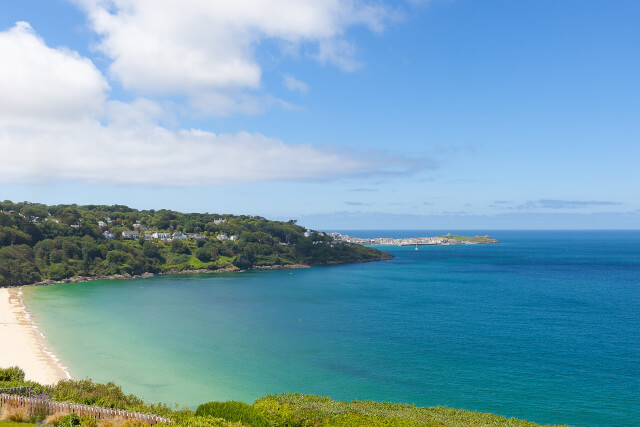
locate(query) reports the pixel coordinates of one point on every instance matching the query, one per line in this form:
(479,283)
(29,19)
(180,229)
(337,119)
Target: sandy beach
(21,343)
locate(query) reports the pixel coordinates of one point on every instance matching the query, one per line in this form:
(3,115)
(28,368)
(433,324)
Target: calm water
(544,326)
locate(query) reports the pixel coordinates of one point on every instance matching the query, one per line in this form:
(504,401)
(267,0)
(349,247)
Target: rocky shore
(82,279)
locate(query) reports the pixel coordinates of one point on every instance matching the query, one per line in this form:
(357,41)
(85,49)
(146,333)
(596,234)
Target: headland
(42,244)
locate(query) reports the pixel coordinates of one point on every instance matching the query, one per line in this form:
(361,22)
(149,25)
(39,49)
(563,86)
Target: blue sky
(341,114)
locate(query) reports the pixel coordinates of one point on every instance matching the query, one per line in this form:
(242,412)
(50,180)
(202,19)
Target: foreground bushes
(89,393)
(11,374)
(284,410)
(233,411)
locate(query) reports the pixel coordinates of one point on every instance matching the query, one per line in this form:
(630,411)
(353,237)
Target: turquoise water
(543,326)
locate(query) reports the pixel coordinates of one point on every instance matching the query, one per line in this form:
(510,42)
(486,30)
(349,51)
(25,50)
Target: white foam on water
(43,343)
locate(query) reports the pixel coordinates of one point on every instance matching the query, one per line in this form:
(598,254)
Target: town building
(128,234)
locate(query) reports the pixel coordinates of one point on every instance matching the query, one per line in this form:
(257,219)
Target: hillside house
(128,234)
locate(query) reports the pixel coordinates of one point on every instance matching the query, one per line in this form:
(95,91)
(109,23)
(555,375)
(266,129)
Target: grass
(14,424)
(476,239)
(331,412)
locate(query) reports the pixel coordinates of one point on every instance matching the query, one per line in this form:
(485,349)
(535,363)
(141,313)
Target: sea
(544,326)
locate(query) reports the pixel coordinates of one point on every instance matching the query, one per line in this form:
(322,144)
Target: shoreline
(127,276)
(26,345)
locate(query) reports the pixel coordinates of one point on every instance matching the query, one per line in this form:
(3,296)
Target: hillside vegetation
(469,239)
(285,410)
(40,242)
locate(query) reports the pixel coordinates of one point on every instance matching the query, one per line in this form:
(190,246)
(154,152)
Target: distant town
(447,239)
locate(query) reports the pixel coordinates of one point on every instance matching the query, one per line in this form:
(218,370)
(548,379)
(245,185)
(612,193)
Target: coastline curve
(24,344)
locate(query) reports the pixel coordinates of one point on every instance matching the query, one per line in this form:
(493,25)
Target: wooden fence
(43,406)
(22,391)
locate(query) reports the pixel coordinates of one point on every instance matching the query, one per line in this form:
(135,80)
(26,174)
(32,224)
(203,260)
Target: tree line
(40,242)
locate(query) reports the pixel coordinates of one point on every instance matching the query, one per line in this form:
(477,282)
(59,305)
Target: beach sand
(21,343)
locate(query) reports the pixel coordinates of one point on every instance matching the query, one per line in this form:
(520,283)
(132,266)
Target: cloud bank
(195,46)
(56,123)
(564,204)
(152,155)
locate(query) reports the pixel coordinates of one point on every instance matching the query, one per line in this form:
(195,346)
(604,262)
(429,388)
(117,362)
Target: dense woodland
(40,242)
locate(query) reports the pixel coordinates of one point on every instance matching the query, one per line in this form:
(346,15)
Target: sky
(341,114)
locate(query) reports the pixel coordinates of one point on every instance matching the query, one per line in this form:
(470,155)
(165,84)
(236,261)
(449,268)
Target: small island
(447,239)
(42,244)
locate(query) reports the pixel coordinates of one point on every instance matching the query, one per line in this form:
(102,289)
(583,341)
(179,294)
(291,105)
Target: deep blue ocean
(543,326)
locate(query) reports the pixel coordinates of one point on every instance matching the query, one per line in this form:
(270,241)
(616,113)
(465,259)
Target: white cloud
(294,84)
(184,47)
(55,125)
(564,204)
(53,84)
(226,103)
(340,53)
(153,155)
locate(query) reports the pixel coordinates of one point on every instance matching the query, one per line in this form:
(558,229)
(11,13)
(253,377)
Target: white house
(107,235)
(102,224)
(219,221)
(162,236)
(179,235)
(222,237)
(308,233)
(197,236)
(128,234)
(233,238)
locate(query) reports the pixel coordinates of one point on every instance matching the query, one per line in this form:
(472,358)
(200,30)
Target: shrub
(89,393)
(65,419)
(232,411)
(284,415)
(355,420)
(18,415)
(70,420)
(203,255)
(87,421)
(54,419)
(207,421)
(12,374)
(121,422)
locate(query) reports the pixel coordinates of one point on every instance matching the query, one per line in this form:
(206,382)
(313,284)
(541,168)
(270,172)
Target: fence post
(33,404)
